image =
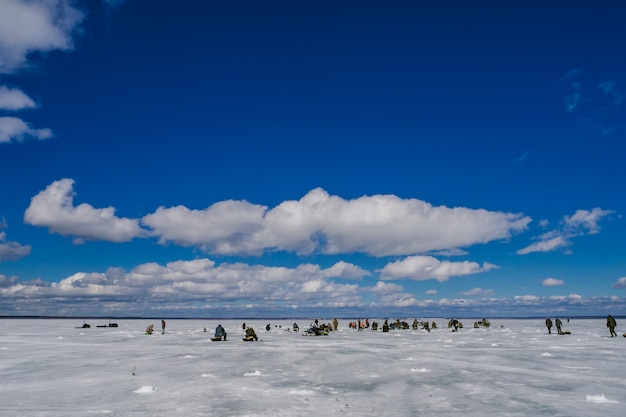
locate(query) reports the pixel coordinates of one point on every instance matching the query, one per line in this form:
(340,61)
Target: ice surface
(514,368)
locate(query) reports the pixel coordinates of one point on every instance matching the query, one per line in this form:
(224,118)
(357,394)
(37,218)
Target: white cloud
(620,283)
(195,288)
(585,221)
(201,280)
(226,227)
(474,292)
(14,99)
(422,268)
(6,282)
(13,128)
(379,225)
(552,282)
(581,223)
(346,270)
(53,208)
(546,245)
(34,26)
(387,288)
(11,251)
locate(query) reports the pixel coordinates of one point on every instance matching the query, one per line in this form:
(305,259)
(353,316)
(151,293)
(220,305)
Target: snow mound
(146,389)
(205,375)
(255,373)
(420,370)
(601,399)
(546,354)
(301,392)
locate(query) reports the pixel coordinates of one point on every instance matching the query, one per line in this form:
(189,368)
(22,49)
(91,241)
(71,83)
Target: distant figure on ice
(162,326)
(268,327)
(335,324)
(220,332)
(150,329)
(296,328)
(250,334)
(386,326)
(549,325)
(611,323)
(558,325)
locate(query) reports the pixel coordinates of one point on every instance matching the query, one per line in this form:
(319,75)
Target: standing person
(558,325)
(549,325)
(611,323)
(162,326)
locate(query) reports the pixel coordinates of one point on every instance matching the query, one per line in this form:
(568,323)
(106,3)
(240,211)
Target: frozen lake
(514,368)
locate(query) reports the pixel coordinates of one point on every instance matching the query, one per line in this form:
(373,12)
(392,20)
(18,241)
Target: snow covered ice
(514,368)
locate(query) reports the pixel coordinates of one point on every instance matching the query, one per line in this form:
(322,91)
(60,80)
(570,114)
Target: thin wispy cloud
(609,90)
(478,292)
(595,103)
(581,223)
(574,99)
(520,159)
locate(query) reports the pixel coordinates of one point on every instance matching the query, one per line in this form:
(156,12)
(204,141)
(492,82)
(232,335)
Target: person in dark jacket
(250,334)
(558,325)
(220,332)
(611,323)
(549,325)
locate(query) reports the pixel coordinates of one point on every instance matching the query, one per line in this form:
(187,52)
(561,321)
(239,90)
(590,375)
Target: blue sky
(204,158)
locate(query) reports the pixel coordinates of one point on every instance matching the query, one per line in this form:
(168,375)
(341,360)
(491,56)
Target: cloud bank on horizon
(407,236)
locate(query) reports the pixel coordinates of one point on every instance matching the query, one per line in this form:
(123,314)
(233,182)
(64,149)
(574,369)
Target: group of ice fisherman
(611,323)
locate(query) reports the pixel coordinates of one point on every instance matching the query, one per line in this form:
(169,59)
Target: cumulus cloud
(196,288)
(14,99)
(28,27)
(34,26)
(13,128)
(54,208)
(203,281)
(582,222)
(6,282)
(552,282)
(620,283)
(422,268)
(379,225)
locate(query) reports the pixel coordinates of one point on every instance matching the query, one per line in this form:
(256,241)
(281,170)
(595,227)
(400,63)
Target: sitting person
(220,332)
(250,334)
(150,329)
